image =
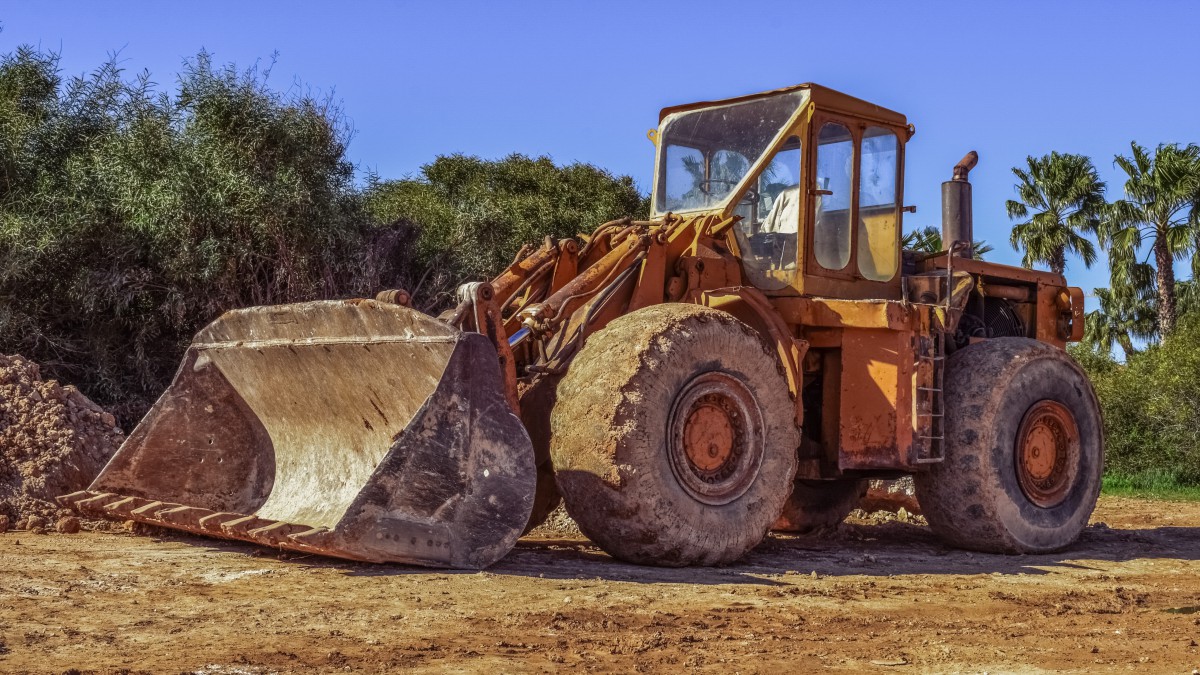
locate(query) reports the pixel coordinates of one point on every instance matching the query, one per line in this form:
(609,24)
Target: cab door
(852,247)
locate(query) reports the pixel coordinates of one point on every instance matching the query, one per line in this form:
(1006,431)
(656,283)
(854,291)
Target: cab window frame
(812,266)
(773,278)
(798,126)
(857,126)
(861,226)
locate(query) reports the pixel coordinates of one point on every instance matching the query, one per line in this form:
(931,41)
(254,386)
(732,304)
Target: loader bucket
(357,429)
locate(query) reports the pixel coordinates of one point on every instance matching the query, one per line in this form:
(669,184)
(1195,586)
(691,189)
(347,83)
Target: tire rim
(715,443)
(1047,453)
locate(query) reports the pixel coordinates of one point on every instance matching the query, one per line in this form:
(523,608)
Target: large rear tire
(1024,450)
(674,437)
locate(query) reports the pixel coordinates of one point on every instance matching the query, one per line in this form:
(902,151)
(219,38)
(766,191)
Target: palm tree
(1066,197)
(725,168)
(1126,312)
(1187,297)
(1161,206)
(929,240)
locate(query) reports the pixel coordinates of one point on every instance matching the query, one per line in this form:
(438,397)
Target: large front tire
(674,440)
(1024,450)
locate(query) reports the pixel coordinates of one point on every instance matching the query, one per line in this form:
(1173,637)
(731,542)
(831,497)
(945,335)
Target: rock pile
(557,524)
(53,441)
(891,495)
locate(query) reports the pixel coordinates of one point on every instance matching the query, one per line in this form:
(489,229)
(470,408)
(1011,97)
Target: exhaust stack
(956,207)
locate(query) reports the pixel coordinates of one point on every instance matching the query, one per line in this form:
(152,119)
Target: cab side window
(832,198)
(779,193)
(878,240)
(770,224)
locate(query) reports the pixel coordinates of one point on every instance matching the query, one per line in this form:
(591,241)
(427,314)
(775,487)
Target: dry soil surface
(871,598)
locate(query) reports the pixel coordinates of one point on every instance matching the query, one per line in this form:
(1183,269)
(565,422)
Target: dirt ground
(871,598)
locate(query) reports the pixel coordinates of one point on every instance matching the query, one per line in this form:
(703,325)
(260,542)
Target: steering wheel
(751,196)
(776,247)
(771,240)
(705,185)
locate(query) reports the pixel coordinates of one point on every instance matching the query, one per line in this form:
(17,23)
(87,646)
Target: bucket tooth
(239,528)
(147,510)
(319,540)
(95,504)
(124,507)
(70,500)
(211,524)
(184,517)
(276,534)
(302,537)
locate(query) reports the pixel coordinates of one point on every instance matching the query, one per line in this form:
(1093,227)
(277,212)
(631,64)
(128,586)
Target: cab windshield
(704,154)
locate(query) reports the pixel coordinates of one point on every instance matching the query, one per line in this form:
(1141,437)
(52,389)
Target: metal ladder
(931,404)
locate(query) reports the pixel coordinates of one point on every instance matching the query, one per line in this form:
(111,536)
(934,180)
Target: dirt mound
(53,441)
(557,524)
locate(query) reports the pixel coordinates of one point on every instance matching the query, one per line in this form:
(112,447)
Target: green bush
(1151,408)
(131,217)
(474,215)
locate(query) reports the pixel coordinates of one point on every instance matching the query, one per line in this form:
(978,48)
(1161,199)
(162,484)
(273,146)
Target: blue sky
(584,81)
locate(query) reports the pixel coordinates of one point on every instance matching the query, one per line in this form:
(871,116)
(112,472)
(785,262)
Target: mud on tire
(1024,450)
(674,440)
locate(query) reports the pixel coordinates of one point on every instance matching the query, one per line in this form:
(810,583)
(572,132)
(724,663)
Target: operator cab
(815,176)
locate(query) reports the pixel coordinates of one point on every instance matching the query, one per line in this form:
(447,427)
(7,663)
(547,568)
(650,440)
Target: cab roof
(822,97)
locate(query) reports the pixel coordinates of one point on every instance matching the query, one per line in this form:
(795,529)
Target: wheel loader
(742,361)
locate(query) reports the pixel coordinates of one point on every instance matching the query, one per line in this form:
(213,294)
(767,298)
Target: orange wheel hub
(715,438)
(1047,453)
(708,437)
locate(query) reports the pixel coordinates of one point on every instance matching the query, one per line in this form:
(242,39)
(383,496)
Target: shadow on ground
(888,549)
